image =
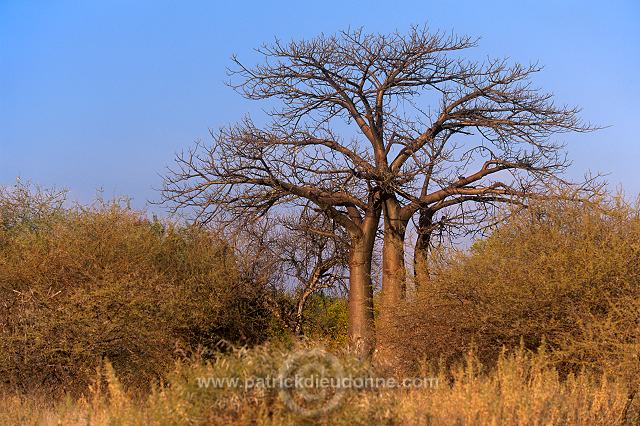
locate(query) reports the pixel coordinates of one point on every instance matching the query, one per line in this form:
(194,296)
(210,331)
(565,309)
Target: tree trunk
(393,269)
(299,317)
(311,286)
(361,324)
(421,251)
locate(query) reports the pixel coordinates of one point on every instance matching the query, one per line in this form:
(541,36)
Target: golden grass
(523,389)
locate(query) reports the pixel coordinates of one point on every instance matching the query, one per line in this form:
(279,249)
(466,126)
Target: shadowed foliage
(561,273)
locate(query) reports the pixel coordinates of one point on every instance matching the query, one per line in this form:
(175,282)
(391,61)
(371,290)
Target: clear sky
(101,94)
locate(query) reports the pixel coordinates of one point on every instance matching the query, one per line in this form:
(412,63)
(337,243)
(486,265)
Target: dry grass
(522,390)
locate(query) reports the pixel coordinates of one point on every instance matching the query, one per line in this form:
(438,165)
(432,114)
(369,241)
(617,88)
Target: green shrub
(326,319)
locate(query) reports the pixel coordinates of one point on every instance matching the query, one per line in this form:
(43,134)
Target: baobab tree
(368,126)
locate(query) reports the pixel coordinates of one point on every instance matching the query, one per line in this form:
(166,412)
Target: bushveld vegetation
(109,317)
(86,283)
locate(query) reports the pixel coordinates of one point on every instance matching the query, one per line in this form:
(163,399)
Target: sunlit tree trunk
(361,322)
(393,267)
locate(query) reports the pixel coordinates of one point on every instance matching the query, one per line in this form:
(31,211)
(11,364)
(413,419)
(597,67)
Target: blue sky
(101,94)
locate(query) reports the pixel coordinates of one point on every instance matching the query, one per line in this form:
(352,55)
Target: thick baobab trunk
(361,329)
(393,268)
(421,251)
(361,324)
